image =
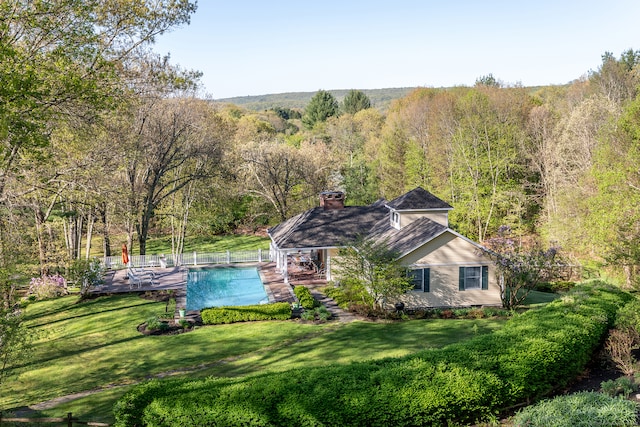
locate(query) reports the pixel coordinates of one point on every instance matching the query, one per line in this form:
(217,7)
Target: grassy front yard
(95,345)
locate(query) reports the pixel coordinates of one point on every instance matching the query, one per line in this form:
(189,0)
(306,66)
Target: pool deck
(175,278)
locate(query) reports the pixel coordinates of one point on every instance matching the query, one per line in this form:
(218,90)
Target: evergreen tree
(322,106)
(355,101)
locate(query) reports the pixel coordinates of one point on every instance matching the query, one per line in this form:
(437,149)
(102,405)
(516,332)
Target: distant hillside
(380,98)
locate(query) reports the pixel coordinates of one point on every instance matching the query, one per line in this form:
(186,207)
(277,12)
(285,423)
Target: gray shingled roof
(320,228)
(418,199)
(409,237)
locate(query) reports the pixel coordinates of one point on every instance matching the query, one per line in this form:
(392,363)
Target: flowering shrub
(48,286)
(519,267)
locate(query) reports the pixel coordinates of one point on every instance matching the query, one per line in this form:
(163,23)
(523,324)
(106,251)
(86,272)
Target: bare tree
(284,175)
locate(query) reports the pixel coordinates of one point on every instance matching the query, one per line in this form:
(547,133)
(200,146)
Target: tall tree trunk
(106,240)
(90,222)
(42,252)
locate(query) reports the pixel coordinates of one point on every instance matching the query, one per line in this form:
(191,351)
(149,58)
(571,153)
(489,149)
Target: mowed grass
(223,243)
(95,345)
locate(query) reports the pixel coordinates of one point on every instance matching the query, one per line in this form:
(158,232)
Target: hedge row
(219,315)
(465,382)
(305,298)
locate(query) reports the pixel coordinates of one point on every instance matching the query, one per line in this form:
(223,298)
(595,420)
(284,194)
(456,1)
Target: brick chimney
(330,200)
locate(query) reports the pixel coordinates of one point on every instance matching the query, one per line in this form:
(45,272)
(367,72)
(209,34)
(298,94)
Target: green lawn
(231,243)
(95,345)
(235,242)
(536,298)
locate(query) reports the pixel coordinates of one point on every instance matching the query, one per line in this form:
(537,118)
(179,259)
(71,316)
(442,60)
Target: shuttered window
(473,278)
(421,278)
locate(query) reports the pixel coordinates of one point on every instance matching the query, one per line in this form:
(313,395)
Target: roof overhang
(446,230)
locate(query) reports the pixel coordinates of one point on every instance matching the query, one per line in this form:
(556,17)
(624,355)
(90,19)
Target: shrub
(461,312)
(476,313)
(466,382)
(619,346)
(323,314)
(155,324)
(220,315)
(320,314)
(347,294)
(555,287)
(46,287)
(622,386)
(629,316)
(305,298)
(496,312)
(337,294)
(447,314)
(583,409)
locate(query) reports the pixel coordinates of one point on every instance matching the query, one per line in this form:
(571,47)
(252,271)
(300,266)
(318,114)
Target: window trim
(425,279)
(395,219)
(484,278)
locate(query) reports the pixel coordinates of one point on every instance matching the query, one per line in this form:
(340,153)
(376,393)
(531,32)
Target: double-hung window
(474,278)
(420,278)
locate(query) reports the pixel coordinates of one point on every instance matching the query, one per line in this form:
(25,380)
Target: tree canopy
(322,106)
(100,136)
(355,101)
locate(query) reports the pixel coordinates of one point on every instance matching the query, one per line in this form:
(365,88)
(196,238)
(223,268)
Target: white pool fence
(189,258)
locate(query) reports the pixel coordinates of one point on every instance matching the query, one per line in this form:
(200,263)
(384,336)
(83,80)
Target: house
(449,270)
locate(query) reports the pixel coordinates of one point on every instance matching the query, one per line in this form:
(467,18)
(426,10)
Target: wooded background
(101,137)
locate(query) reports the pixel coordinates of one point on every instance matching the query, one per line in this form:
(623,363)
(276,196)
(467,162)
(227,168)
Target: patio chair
(320,271)
(138,279)
(142,272)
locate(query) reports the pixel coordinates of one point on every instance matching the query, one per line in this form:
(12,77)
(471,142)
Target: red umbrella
(125,254)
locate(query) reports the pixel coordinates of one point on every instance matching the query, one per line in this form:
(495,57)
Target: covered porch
(302,264)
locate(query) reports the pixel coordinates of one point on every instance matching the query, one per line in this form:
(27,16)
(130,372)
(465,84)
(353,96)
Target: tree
(322,106)
(373,267)
(520,268)
(67,60)
(486,162)
(488,80)
(354,101)
(87,273)
(15,337)
(173,143)
(283,175)
(613,216)
(617,79)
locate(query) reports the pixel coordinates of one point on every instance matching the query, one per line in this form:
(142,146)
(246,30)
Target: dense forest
(101,137)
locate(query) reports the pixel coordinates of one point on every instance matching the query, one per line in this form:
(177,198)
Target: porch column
(285,268)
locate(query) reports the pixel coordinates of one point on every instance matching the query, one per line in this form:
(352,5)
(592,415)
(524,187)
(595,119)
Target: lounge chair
(142,272)
(138,279)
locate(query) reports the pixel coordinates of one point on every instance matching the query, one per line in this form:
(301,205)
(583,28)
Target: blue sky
(247,47)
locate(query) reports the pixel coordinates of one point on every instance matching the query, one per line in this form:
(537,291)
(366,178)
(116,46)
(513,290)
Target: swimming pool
(224,286)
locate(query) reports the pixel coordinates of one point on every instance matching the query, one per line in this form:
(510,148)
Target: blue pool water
(224,286)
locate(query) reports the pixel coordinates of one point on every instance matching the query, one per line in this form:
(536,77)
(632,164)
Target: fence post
(259,255)
(228,257)
(69,419)
(195,258)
